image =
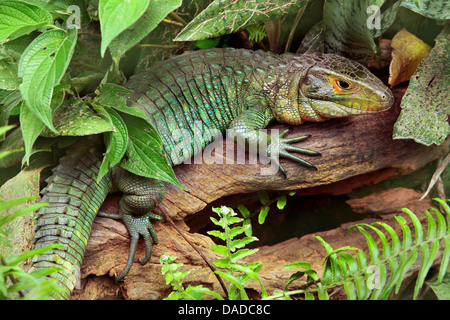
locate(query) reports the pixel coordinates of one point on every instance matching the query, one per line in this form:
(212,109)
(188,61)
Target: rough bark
(356,151)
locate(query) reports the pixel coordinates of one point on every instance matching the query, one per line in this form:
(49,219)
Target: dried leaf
(407,52)
(425,106)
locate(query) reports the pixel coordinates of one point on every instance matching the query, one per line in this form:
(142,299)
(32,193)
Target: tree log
(356,151)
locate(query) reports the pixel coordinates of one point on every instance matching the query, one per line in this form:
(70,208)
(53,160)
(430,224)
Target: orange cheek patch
(335,84)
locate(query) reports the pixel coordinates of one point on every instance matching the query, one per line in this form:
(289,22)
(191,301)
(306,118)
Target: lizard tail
(74,198)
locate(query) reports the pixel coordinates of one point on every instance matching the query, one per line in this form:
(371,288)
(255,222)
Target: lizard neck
(288,103)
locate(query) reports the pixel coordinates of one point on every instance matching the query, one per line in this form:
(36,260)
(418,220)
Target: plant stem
(11,277)
(193,246)
(178,18)
(173,22)
(162,46)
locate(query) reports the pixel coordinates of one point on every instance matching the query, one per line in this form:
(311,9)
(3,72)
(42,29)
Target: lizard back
(193,97)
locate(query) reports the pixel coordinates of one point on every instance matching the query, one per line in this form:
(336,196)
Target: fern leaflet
(377,276)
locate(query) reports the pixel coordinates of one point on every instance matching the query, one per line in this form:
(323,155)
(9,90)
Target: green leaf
(219,249)
(8,75)
(434,9)
(76,118)
(11,150)
(345,29)
(424,108)
(263,214)
(144,152)
(234,281)
(26,255)
(263,197)
(201,290)
(242,254)
(227,16)
(114,96)
(217,234)
(5,129)
(18,18)
(247,223)
(155,13)
(31,127)
(116,16)
(243,210)
(441,288)
(8,103)
(41,67)
(207,43)
(240,243)
(12,203)
(281,202)
(236,231)
(116,142)
(304,265)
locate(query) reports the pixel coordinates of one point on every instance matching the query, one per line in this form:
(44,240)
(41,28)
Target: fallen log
(356,151)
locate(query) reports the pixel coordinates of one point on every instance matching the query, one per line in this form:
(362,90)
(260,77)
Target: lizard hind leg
(135,208)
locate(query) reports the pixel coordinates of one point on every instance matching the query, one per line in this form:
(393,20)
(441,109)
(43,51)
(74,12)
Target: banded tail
(75,198)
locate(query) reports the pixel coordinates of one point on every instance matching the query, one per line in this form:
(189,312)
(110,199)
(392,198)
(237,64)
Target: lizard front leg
(247,126)
(135,208)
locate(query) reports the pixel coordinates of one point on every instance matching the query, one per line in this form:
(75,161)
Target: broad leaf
(11,150)
(31,127)
(76,118)
(441,289)
(346,28)
(8,75)
(116,143)
(18,18)
(425,104)
(116,16)
(155,13)
(227,16)
(41,67)
(144,152)
(114,96)
(434,9)
(407,52)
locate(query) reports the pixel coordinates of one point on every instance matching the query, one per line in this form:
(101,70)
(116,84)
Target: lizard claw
(282,147)
(137,226)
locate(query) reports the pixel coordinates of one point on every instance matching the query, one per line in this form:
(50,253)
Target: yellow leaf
(407,52)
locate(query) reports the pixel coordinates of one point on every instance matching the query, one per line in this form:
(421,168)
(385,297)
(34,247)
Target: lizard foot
(282,148)
(137,226)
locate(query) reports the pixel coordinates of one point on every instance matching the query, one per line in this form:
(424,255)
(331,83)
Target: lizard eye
(343,84)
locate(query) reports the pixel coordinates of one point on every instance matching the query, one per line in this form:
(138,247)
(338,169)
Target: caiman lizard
(237,90)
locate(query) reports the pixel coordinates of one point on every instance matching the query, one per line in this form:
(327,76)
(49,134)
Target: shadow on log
(356,151)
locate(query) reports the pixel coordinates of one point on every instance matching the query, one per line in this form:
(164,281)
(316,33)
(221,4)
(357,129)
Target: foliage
(427,122)
(13,279)
(233,250)
(263,211)
(40,57)
(225,17)
(375,277)
(174,277)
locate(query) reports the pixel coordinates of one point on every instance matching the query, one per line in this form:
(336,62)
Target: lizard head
(323,86)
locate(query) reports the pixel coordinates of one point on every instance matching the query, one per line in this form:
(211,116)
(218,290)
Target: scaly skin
(208,92)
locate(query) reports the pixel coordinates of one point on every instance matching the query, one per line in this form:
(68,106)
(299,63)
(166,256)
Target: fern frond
(256,32)
(394,260)
(380,274)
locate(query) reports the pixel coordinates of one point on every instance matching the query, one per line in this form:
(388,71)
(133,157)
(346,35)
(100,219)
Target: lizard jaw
(329,109)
